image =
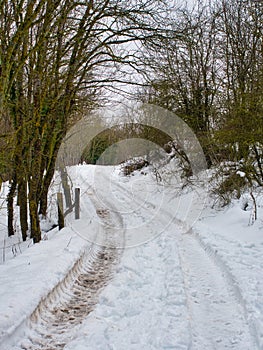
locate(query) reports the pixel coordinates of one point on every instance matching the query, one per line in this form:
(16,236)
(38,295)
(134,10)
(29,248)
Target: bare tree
(55,56)
(184,70)
(241,48)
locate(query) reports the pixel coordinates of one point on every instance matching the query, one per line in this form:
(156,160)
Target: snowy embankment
(27,278)
(162,296)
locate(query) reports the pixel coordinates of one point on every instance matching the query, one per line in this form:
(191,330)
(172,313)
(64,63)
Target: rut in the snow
(53,323)
(50,328)
(217,318)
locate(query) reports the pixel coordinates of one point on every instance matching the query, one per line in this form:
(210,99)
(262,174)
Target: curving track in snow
(51,326)
(218,314)
(56,319)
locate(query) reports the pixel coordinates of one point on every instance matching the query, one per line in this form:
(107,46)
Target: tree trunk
(22,193)
(34,221)
(43,200)
(10,206)
(43,203)
(66,187)
(61,222)
(35,177)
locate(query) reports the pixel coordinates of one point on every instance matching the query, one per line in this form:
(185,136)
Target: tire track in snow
(217,320)
(56,319)
(246,335)
(51,326)
(233,284)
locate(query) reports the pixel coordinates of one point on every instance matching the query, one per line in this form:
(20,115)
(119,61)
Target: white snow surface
(190,277)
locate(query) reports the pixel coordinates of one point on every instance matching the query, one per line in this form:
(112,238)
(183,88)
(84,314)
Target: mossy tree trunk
(10,206)
(22,195)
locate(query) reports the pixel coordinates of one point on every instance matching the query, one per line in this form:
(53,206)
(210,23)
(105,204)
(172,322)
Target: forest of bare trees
(211,75)
(57,58)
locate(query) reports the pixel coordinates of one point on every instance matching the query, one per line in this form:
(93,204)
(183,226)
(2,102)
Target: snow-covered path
(165,291)
(217,319)
(216,316)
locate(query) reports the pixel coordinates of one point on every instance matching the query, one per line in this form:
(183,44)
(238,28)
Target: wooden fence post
(77,203)
(61,222)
